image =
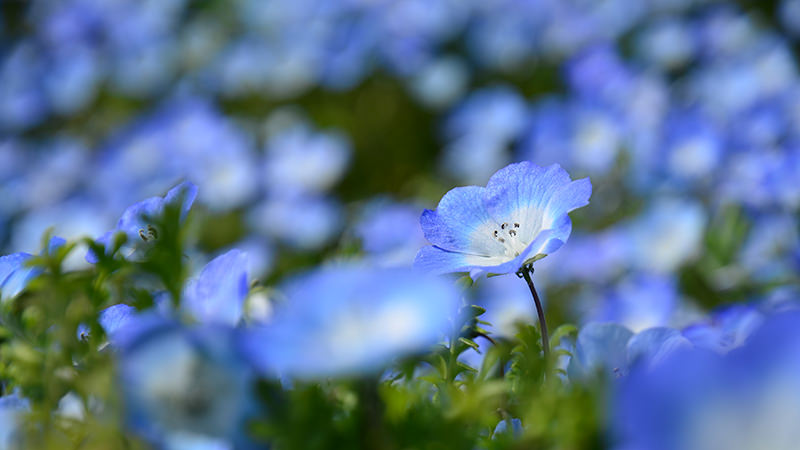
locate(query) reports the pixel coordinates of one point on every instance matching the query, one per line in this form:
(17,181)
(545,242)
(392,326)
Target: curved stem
(525,273)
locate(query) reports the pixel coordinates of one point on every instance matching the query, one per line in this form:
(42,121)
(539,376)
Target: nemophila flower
(15,274)
(350,320)
(638,302)
(390,233)
(183,386)
(519,217)
(217,295)
(12,407)
(305,222)
(135,221)
(725,329)
(696,400)
(612,350)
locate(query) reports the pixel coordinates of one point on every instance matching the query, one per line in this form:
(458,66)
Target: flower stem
(526,272)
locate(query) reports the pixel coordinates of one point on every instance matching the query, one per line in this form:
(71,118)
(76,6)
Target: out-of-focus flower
(14,275)
(183,385)
(300,161)
(480,130)
(519,217)
(217,295)
(186,138)
(638,302)
(12,407)
(134,221)
(352,320)
(390,233)
(698,400)
(668,234)
(305,222)
(611,350)
(725,329)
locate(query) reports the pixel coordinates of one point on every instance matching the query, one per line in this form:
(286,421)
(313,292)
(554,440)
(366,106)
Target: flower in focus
(134,221)
(518,218)
(183,386)
(349,320)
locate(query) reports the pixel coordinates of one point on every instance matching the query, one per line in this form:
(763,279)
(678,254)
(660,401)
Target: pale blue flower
(15,274)
(697,400)
(390,233)
(519,217)
(12,408)
(135,221)
(183,385)
(350,320)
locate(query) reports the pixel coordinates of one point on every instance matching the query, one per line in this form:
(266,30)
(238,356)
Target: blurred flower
(299,160)
(697,400)
(725,329)
(12,407)
(612,350)
(15,275)
(183,386)
(349,320)
(521,216)
(390,233)
(305,222)
(480,130)
(217,295)
(667,235)
(186,138)
(638,302)
(134,221)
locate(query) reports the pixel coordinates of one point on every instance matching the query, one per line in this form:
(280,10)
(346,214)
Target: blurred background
(319,130)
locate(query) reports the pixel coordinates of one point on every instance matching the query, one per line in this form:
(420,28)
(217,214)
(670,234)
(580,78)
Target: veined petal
(569,197)
(438,261)
(133,219)
(519,193)
(186,193)
(461,223)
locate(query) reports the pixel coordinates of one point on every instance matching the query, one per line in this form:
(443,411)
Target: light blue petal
(523,189)
(457,223)
(186,193)
(569,197)
(14,275)
(654,344)
(600,347)
(437,261)
(218,294)
(115,317)
(135,218)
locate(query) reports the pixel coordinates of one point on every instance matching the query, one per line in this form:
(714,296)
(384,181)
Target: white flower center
(508,235)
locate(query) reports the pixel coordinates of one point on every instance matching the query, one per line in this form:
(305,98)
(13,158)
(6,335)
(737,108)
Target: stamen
(495,233)
(151,230)
(512,233)
(516,225)
(142,235)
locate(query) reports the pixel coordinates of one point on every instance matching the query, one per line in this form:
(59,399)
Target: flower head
(350,320)
(183,385)
(519,217)
(134,221)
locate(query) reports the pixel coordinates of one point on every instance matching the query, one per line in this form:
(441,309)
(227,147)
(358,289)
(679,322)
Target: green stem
(526,272)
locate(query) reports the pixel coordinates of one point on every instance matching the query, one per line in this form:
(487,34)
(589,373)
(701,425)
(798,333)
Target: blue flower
(14,274)
(351,320)
(612,350)
(390,233)
(697,400)
(217,295)
(519,217)
(183,385)
(134,221)
(12,407)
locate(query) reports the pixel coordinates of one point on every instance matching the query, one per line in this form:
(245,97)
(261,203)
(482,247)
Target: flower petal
(461,223)
(519,193)
(218,294)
